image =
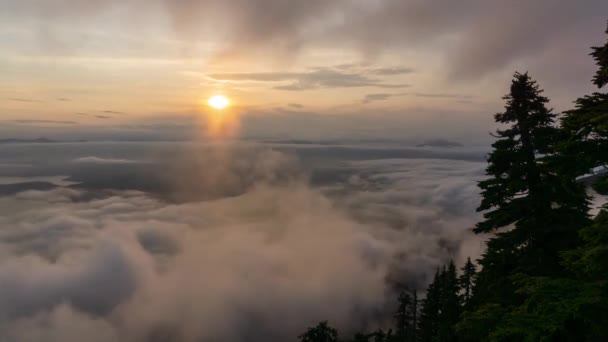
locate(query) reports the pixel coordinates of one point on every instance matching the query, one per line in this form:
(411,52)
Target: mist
(240,243)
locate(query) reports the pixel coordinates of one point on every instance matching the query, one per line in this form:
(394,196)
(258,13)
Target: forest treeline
(544,273)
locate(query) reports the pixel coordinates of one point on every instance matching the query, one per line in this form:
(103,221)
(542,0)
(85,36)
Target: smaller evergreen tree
(430,309)
(320,333)
(600,55)
(406,316)
(467,281)
(414,315)
(449,303)
(586,126)
(403,317)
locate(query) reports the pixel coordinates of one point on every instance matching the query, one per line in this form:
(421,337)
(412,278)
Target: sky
(344,170)
(412,69)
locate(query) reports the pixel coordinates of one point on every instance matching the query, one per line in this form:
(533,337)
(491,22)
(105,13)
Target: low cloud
(125,265)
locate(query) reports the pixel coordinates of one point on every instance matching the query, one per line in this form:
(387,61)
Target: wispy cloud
(19,99)
(35,121)
(312,79)
(379,97)
(392,71)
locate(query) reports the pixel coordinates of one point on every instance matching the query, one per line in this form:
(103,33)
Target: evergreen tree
(524,191)
(565,308)
(450,308)
(430,309)
(587,124)
(535,209)
(320,333)
(600,54)
(406,316)
(403,318)
(414,314)
(467,281)
(359,337)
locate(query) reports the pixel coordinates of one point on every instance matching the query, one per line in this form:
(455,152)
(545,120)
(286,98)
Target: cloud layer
(125,265)
(475,36)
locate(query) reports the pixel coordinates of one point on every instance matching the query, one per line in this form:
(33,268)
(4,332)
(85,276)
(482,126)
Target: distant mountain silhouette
(41,140)
(440,143)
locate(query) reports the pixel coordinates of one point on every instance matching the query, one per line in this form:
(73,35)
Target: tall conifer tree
(587,124)
(467,281)
(524,192)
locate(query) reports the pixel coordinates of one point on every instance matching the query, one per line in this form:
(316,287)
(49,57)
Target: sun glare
(218,102)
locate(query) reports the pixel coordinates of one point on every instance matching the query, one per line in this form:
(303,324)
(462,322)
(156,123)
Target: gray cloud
(474,37)
(296,105)
(100,160)
(378,97)
(383,96)
(392,71)
(103,117)
(319,78)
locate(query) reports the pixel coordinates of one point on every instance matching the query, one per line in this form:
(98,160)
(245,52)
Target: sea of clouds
(223,243)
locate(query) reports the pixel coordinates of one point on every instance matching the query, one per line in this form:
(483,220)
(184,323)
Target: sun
(218,101)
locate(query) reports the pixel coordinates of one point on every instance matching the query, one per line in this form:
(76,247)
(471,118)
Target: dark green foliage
(590,261)
(359,337)
(450,309)
(543,206)
(429,313)
(406,317)
(600,55)
(587,128)
(587,124)
(467,281)
(320,333)
(553,308)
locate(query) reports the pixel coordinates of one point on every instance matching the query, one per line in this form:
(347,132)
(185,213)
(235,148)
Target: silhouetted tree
(415,304)
(526,192)
(320,333)
(467,281)
(544,207)
(402,316)
(450,308)
(406,316)
(359,337)
(430,309)
(600,55)
(587,125)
